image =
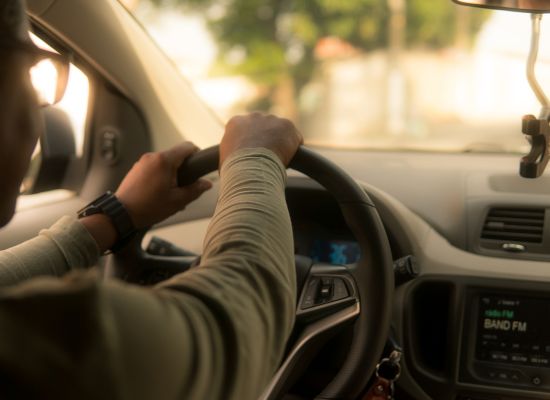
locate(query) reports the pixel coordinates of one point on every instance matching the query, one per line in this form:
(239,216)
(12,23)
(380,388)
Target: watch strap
(109,205)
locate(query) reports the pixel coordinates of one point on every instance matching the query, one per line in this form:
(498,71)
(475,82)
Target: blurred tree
(273,41)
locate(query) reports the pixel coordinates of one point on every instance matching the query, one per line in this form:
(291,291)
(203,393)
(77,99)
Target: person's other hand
(258,130)
(150,192)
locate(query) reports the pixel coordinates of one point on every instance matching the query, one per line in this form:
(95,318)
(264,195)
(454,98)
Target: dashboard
(474,323)
(320,232)
(326,249)
(335,252)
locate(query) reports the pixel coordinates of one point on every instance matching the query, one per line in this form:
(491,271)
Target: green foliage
(434,23)
(278,37)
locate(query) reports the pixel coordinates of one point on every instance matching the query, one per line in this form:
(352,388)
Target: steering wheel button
(310,294)
(340,289)
(308,302)
(325,290)
(327,281)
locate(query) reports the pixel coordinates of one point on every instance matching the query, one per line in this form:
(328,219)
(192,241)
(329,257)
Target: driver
(215,332)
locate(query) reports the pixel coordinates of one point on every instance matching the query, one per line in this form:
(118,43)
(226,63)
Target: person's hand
(258,130)
(150,192)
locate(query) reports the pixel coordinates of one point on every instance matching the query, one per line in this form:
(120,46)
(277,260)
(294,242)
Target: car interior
(441,255)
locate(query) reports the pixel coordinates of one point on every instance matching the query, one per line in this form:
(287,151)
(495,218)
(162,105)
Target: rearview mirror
(530,6)
(537,130)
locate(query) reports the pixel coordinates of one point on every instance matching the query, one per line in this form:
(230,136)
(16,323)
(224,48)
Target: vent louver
(514,225)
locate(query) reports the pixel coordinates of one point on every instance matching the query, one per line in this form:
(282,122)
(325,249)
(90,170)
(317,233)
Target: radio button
(492,374)
(498,356)
(536,380)
(515,376)
(498,374)
(491,345)
(538,359)
(522,358)
(502,375)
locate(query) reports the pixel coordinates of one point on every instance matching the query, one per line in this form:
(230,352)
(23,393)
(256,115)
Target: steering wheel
(329,297)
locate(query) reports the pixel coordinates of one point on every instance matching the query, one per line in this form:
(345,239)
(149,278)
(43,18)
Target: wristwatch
(109,205)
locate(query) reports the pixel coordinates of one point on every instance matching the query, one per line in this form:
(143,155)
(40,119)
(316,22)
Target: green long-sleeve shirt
(214,332)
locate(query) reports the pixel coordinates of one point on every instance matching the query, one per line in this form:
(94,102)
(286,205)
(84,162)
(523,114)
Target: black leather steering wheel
(328,296)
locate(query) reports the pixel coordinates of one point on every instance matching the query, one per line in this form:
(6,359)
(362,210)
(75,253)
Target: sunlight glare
(44,80)
(75,100)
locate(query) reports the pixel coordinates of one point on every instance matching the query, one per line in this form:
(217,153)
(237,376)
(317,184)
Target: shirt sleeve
(246,280)
(65,246)
(217,331)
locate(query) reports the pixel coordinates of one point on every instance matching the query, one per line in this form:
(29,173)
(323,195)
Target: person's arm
(221,329)
(246,280)
(66,245)
(70,244)
(215,332)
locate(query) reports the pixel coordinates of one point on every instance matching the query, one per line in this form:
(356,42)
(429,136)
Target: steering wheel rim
(370,280)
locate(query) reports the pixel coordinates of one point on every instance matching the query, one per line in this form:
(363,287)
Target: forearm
(246,278)
(65,246)
(102,230)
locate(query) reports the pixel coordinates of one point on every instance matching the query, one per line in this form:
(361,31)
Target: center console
(506,339)
(476,338)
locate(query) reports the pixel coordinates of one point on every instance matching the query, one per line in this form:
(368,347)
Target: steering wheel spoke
(328,302)
(327,289)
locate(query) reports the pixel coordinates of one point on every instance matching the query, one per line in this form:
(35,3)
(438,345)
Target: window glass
(74,105)
(388,74)
(75,100)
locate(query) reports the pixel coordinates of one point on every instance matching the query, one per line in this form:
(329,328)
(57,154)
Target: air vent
(514,225)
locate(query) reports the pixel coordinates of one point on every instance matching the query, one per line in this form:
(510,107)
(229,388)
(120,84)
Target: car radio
(506,340)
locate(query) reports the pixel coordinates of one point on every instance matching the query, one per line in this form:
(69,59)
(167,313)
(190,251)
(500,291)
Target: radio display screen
(513,330)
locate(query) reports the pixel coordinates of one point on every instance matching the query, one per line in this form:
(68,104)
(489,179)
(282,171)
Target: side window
(62,142)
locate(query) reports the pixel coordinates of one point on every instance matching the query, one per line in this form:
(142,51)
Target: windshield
(381,74)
